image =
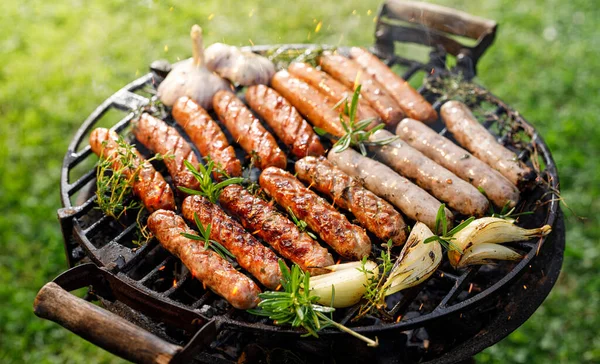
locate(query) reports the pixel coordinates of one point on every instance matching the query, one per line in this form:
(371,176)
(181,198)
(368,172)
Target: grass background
(60,59)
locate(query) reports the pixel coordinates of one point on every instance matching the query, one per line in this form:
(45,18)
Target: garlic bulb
(242,68)
(348,281)
(191,78)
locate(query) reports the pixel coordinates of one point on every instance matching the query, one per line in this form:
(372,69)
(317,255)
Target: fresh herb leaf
(205,238)
(445,237)
(207,187)
(508,213)
(375,292)
(301,224)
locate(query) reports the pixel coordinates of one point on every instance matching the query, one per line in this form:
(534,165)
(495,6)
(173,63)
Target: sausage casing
(159,137)
(251,255)
(372,212)
(206,265)
(285,121)
(263,220)
(412,102)
(206,135)
(247,130)
(348,240)
(430,176)
(475,138)
(497,188)
(350,73)
(413,201)
(309,102)
(149,186)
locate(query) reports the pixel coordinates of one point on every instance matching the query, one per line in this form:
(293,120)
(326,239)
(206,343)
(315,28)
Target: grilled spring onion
(348,282)
(417,261)
(490,230)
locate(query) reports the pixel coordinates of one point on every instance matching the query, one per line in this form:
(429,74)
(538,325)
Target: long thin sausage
(247,130)
(206,135)
(285,121)
(348,240)
(372,212)
(204,264)
(351,74)
(476,139)
(430,176)
(263,220)
(413,201)
(412,102)
(497,188)
(251,255)
(159,137)
(310,102)
(148,184)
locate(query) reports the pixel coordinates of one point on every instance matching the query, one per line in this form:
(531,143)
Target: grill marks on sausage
(285,120)
(410,100)
(262,219)
(204,264)
(206,135)
(251,255)
(348,240)
(371,211)
(159,137)
(149,186)
(247,130)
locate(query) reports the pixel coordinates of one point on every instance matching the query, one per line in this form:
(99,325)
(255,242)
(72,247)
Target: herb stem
(371,343)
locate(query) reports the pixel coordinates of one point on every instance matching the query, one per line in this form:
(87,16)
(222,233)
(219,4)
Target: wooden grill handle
(440,18)
(101,327)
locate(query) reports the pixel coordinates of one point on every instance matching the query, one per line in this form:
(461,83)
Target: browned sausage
(251,255)
(350,241)
(284,119)
(262,219)
(497,188)
(247,130)
(476,139)
(204,264)
(149,186)
(206,135)
(350,74)
(332,88)
(430,176)
(159,137)
(412,102)
(372,212)
(310,102)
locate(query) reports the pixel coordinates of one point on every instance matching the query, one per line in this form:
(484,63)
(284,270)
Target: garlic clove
(486,253)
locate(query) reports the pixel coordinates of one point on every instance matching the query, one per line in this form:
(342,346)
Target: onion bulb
(486,253)
(348,280)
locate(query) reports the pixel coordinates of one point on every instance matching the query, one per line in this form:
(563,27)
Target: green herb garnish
(205,238)
(208,188)
(445,237)
(301,224)
(508,213)
(375,292)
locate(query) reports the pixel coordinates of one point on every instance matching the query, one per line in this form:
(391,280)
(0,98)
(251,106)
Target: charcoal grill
(159,313)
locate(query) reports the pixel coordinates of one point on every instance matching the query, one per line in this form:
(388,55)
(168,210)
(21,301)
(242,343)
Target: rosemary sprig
(296,306)
(375,292)
(301,224)
(445,237)
(356,133)
(208,188)
(205,238)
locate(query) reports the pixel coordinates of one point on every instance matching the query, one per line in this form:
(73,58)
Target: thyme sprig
(356,133)
(207,187)
(208,242)
(445,237)
(301,224)
(375,292)
(297,307)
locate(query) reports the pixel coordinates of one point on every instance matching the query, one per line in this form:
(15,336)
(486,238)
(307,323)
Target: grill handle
(101,327)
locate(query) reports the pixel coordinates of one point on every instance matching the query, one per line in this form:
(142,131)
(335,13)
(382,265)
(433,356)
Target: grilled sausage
(476,139)
(350,73)
(206,135)
(412,102)
(430,176)
(247,130)
(149,186)
(497,188)
(285,121)
(206,265)
(272,227)
(350,241)
(251,255)
(372,212)
(333,89)
(159,137)
(413,201)
(309,102)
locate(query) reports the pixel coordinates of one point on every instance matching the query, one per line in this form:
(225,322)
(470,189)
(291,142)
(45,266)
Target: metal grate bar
(458,286)
(202,300)
(177,286)
(124,233)
(93,227)
(153,272)
(76,158)
(82,181)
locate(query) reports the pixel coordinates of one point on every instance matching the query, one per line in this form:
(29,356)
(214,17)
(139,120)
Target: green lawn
(62,58)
